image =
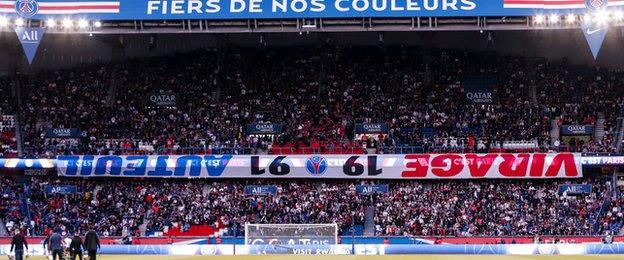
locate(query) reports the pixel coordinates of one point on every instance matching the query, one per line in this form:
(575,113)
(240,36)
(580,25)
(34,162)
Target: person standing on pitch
(91,244)
(46,242)
(56,246)
(19,243)
(75,247)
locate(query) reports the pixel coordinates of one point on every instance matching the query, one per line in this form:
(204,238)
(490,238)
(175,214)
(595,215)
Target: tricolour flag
(66,7)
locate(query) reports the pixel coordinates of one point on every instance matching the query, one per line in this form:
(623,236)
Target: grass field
(334,257)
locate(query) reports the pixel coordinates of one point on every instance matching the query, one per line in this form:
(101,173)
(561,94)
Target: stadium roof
(310,25)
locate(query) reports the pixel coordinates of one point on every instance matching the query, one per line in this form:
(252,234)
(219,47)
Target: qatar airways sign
(411,166)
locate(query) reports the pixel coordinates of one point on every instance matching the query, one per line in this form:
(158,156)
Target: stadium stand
(425,107)
(220,208)
(488,208)
(11,203)
(8,142)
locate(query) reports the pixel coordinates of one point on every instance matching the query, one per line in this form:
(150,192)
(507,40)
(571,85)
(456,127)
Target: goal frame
(248,225)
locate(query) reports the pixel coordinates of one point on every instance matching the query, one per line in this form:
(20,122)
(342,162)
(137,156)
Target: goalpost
(291,234)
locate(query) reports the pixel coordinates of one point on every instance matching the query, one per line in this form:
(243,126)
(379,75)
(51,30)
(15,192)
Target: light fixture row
(65,23)
(600,16)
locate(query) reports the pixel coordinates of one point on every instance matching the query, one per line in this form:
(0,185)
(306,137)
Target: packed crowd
(119,208)
(425,208)
(613,220)
(51,210)
(11,202)
(226,205)
(317,95)
(491,208)
(295,202)
(112,209)
(8,142)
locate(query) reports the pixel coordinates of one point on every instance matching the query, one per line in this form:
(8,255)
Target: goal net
(291,234)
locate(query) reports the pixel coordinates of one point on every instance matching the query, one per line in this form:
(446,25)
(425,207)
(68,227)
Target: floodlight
(83,23)
(67,23)
(51,23)
(571,18)
(601,16)
(539,18)
(618,15)
(4,21)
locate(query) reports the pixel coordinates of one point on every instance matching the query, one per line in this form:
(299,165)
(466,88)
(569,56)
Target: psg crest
(26,8)
(596,4)
(316,165)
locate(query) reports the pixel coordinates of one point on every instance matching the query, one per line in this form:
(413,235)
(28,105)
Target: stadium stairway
(143,226)
(3,231)
(18,135)
(112,91)
(554,130)
(206,190)
(533,94)
(24,197)
(369,222)
(600,126)
(97,189)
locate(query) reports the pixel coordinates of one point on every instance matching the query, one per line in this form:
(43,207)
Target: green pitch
(334,257)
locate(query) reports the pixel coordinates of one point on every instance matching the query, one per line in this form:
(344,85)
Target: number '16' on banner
(30,38)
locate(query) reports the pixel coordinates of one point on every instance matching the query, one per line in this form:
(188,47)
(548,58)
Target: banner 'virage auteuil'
(411,166)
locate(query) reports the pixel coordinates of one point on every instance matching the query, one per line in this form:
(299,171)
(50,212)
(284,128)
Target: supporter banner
(264,128)
(347,240)
(269,249)
(60,189)
(575,189)
(167,250)
(271,9)
(411,166)
(29,37)
(595,33)
(290,240)
(343,249)
(27,163)
(468,249)
(369,189)
(260,189)
(377,128)
(38,250)
(602,160)
(65,133)
(577,130)
(162,100)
